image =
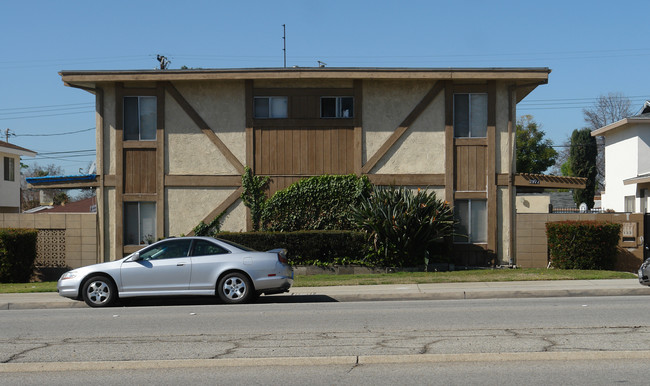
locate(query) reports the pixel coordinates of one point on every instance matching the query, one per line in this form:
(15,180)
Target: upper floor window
(140,116)
(470,115)
(9,169)
(336,107)
(271,107)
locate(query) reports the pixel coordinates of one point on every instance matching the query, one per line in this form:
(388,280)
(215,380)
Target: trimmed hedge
(583,244)
(315,203)
(17,255)
(307,247)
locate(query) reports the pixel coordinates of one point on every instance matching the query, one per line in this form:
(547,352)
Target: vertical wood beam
(250,139)
(449,142)
(358,127)
(160,160)
(492,154)
(119,171)
(99,135)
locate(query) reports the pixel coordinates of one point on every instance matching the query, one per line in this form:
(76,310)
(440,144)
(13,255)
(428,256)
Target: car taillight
(282,259)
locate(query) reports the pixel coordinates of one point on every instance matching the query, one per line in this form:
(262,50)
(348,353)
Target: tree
(30,197)
(582,162)
(608,109)
(534,153)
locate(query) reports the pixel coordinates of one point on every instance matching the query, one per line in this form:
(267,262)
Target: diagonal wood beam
(227,203)
(189,110)
(397,134)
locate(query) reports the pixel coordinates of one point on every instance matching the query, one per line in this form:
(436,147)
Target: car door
(163,268)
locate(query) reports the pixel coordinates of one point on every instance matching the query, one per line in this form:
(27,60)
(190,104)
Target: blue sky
(592,48)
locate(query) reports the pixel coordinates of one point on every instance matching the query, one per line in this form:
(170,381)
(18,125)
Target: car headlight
(69,275)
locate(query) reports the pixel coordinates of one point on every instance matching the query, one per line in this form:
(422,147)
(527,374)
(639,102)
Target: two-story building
(172,144)
(10,176)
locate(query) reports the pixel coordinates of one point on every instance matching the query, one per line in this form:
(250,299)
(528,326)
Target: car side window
(167,250)
(204,248)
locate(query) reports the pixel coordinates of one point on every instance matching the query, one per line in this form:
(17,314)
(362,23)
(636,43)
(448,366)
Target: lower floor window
(139,222)
(472,221)
(629,204)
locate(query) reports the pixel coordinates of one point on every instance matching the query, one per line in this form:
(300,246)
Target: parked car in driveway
(644,273)
(182,266)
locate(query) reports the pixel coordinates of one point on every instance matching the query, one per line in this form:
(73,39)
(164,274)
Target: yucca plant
(403,225)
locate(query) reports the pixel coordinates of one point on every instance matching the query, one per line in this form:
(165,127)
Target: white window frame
(469,116)
(140,118)
(271,112)
(9,166)
(338,109)
(470,238)
(146,232)
(629,204)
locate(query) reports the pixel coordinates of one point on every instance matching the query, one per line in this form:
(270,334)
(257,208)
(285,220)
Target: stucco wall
(422,148)
(621,153)
(533,203)
(187,207)
(222,107)
(10,190)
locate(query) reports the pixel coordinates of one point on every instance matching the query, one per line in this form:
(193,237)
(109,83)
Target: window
(140,116)
(629,204)
(271,107)
(167,250)
(139,222)
(472,218)
(470,115)
(336,107)
(9,169)
(204,248)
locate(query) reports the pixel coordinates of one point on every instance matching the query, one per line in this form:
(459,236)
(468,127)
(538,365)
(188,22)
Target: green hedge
(307,247)
(315,203)
(583,244)
(17,255)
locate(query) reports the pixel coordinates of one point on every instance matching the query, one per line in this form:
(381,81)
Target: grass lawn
(475,275)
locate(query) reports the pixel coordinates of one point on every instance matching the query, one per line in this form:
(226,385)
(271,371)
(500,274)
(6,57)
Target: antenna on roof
(164,63)
(321,64)
(284,43)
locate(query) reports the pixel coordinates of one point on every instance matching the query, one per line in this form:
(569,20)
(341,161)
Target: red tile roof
(81,206)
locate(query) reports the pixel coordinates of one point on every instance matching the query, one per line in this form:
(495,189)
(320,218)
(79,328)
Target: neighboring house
(627,163)
(172,145)
(87,205)
(10,176)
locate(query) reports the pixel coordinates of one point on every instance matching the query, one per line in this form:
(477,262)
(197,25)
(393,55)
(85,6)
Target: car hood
(101,267)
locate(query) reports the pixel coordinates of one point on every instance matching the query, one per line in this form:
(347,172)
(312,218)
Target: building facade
(172,144)
(10,176)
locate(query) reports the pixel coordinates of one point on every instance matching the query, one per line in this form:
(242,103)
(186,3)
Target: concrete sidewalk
(448,291)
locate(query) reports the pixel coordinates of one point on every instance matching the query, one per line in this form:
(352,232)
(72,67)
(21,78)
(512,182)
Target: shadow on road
(209,300)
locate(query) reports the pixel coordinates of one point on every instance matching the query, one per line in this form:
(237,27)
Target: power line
(54,134)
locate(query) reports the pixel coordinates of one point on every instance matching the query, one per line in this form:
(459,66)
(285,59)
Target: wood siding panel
(287,154)
(139,171)
(470,168)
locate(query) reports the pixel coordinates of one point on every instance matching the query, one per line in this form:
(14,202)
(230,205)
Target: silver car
(182,266)
(644,272)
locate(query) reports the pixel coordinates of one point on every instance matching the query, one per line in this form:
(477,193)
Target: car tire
(99,291)
(235,288)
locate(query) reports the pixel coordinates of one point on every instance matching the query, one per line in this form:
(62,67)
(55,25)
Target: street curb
(442,295)
(322,361)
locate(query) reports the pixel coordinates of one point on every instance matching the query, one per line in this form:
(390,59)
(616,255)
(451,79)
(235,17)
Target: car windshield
(239,246)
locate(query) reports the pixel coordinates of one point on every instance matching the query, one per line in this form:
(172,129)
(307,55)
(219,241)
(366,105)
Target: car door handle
(180,264)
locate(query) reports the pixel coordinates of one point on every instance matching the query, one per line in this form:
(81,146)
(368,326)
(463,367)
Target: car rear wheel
(235,288)
(99,291)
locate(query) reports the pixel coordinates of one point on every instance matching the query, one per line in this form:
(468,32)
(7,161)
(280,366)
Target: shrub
(307,247)
(254,196)
(315,203)
(583,244)
(403,227)
(17,255)
(210,229)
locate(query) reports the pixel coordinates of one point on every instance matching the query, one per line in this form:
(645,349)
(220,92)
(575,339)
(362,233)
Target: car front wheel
(99,291)
(235,288)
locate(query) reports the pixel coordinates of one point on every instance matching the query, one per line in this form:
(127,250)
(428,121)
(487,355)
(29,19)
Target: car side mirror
(135,256)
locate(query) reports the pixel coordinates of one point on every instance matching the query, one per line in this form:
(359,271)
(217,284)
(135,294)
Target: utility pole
(7,134)
(284,42)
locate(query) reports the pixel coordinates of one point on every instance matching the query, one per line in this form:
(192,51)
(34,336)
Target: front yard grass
(473,275)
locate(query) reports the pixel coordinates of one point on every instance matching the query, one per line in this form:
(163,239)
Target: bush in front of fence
(17,255)
(583,244)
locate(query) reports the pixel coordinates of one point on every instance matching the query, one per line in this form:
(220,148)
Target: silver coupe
(182,266)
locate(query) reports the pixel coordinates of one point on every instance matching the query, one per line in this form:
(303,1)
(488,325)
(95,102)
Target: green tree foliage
(582,162)
(315,203)
(403,226)
(534,153)
(254,196)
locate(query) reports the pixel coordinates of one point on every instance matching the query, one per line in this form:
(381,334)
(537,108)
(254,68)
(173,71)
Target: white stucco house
(10,176)
(627,163)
